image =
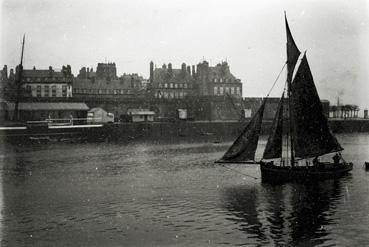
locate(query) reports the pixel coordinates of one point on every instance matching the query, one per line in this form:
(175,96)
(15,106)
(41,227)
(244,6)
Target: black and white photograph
(184,123)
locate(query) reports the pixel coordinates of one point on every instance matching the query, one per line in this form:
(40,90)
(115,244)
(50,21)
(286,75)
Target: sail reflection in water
(288,214)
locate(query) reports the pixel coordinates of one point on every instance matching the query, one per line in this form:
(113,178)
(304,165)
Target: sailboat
(299,135)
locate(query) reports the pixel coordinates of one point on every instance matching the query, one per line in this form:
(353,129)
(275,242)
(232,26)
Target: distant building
(47,83)
(105,83)
(104,71)
(170,83)
(217,81)
(167,82)
(141,115)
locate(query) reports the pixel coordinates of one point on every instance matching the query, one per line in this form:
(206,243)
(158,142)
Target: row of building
(204,92)
(200,90)
(165,82)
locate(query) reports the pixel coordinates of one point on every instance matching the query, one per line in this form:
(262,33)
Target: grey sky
(249,34)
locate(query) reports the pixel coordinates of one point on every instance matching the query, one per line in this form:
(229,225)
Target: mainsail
(312,136)
(273,148)
(244,148)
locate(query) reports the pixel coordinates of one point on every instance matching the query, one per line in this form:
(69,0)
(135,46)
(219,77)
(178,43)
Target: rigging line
(233,104)
(276,79)
(226,167)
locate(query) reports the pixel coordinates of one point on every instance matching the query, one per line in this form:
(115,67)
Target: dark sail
(293,52)
(244,148)
(312,136)
(273,148)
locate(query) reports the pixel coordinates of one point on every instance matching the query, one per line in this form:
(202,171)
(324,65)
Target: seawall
(205,131)
(176,131)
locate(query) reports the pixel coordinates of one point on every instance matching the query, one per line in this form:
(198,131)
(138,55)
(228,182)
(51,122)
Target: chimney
(11,74)
(164,66)
(193,71)
(69,70)
(151,71)
(183,67)
(189,69)
(5,72)
(170,70)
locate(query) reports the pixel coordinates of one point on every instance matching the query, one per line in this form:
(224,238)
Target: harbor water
(144,194)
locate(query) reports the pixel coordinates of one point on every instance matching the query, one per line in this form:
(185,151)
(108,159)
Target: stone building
(105,82)
(170,83)
(205,80)
(47,83)
(217,80)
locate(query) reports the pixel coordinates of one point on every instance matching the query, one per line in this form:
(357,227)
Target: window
(38,91)
(181,94)
(185,85)
(46,91)
(238,91)
(215,79)
(226,89)
(53,91)
(175,85)
(166,85)
(171,85)
(221,90)
(165,95)
(64,91)
(215,90)
(220,80)
(232,90)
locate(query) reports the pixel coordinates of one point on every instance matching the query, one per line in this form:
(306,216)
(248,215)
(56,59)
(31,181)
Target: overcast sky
(250,35)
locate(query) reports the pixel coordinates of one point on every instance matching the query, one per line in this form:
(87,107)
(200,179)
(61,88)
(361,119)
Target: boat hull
(279,174)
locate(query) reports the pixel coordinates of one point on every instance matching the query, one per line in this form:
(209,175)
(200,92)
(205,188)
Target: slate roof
(163,75)
(140,112)
(124,82)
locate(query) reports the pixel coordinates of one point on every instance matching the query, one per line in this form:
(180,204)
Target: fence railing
(63,121)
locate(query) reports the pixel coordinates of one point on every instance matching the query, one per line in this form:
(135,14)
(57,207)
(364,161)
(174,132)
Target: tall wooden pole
(18,85)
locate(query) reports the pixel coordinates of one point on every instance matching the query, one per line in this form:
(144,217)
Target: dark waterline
(109,194)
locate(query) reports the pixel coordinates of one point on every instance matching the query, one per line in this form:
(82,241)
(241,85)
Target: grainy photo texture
(184,123)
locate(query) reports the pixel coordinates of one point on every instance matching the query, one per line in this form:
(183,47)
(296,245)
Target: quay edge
(176,131)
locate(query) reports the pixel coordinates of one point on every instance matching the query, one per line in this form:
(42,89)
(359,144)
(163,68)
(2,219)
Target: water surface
(111,194)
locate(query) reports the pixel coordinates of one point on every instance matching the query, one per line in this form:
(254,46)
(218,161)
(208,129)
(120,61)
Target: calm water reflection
(110,194)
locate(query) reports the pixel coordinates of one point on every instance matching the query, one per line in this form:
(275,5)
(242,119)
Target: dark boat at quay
(299,135)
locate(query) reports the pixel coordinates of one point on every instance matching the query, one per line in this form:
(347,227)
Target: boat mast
(18,84)
(290,125)
(292,56)
(21,60)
